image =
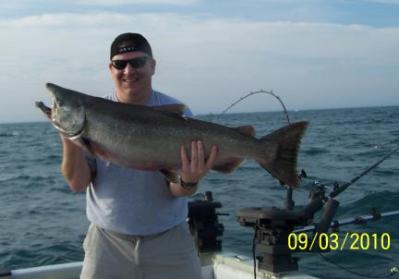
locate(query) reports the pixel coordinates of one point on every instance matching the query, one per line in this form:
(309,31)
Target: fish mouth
(48,112)
(45,109)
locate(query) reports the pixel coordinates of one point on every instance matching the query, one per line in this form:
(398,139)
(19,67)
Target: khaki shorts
(170,254)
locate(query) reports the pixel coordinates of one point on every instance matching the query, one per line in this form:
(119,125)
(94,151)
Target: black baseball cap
(128,42)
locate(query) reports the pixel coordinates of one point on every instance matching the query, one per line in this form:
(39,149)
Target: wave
(9,134)
(315,150)
(384,201)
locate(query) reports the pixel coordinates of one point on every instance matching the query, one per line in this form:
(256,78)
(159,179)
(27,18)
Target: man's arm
(74,166)
(193,170)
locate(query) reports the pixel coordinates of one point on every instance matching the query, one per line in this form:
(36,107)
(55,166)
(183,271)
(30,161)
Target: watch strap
(187,185)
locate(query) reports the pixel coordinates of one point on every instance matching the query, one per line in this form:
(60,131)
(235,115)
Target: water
(43,222)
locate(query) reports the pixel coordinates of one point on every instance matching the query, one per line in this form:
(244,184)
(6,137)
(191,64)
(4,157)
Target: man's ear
(153,65)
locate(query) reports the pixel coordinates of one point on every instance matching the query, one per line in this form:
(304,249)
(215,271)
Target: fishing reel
(273,227)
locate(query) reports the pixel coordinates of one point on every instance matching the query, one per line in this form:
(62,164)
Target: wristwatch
(188,185)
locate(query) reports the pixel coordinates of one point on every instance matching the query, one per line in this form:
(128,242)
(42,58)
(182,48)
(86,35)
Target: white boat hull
(221,266)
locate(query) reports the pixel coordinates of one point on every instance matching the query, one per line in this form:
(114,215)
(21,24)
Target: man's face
(132,83)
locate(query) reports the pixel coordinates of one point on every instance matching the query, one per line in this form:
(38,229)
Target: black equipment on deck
(273,225)
(204,224)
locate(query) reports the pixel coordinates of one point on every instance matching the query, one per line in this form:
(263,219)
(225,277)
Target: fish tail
(280,152)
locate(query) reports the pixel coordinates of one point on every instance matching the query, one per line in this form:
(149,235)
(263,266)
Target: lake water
(43,222)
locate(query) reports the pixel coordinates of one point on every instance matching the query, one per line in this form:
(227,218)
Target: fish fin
(170,175)
(227,165)
(172,109)
(284,145)
(247,130)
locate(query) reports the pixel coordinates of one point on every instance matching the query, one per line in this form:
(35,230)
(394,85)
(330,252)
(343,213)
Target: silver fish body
(150,138)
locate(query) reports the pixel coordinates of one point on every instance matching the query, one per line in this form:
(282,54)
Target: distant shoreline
(243,112)
(301,110)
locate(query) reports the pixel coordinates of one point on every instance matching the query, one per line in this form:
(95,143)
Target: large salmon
(149,138)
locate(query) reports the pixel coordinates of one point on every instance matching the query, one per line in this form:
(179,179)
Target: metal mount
(272,227)
(204,224)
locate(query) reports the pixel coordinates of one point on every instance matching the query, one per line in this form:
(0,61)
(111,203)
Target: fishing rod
(261,91)
(330,204)
(339,189)
(330,207)
(375,215)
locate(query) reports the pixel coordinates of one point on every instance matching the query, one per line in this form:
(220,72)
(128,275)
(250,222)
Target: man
(138,227)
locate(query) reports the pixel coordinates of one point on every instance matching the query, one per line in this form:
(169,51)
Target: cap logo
(126,49)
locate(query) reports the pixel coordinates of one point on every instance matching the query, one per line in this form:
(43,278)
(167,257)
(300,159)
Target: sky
(314,54)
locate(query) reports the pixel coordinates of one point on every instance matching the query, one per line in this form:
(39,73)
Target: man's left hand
(197,166)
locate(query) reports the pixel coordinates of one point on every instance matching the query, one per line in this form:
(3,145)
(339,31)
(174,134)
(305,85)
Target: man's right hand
(74,166)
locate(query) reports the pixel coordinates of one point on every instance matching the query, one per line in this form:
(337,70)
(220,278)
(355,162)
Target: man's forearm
(74,166)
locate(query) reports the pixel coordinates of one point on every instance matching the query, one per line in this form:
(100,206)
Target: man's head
(132,67)
(127,42)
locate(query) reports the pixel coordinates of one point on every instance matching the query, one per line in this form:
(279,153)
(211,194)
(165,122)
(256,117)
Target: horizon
(237,112)
(315,54)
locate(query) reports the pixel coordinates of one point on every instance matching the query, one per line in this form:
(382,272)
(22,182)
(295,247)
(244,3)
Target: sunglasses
(135,63)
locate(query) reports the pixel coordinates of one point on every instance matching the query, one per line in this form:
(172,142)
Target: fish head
(68,112)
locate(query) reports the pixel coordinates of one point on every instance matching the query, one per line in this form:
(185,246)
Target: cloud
(68,20)
(394,2)
(133,2)
(206,62)
(28,5)
(92,20)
